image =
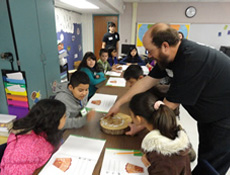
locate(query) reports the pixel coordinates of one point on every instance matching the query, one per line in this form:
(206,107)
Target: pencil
(128,153)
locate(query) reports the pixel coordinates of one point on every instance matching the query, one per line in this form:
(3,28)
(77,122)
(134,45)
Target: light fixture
(82,4)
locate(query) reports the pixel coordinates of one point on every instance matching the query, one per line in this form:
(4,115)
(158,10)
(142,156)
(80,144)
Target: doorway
(100,27)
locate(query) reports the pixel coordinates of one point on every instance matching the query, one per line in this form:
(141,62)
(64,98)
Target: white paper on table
(120,82)
(84,153)
(145,70)
(124,67)
(112,73)
(15,76)
(114,164)
(6,118)
(16,88)
(107,102)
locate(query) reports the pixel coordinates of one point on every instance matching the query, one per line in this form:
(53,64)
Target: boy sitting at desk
(132,74)
(74,95)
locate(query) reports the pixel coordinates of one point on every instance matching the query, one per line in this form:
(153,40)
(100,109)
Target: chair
(2,149)
(76,64)
(204,168)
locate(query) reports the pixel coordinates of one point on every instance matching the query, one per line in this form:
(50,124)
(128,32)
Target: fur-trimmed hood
(154,141)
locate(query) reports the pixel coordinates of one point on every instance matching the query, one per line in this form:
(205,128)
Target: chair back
(204,167)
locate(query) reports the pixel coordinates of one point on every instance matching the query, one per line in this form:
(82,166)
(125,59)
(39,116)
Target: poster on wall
(143,27)
(69,39)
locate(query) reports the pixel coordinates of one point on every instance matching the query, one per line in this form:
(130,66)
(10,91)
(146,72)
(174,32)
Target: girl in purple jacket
(34,138)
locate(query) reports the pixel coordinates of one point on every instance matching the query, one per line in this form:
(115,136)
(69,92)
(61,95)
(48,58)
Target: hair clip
(157,104)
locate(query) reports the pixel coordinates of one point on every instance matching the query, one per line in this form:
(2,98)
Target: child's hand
(134,129)
(145,160)
(90,115)
(97,76)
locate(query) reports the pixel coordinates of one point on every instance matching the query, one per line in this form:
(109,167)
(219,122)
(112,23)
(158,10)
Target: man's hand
(134,129)
(114,110)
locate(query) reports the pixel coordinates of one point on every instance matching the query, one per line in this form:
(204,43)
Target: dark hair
(133,71)
(103,51)
(160,35)
(130,58)
(112,24)
(79,77)
(84,62)
(110,50)
(181,34)
(163,119)
(43,119)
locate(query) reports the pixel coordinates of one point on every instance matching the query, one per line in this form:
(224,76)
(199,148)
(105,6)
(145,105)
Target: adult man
(199,83)
(111,38)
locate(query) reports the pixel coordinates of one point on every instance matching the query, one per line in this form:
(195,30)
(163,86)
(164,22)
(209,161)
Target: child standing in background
(166,146)
(34,138)
(74,95)
(133,58)
(90,67)
(112,56)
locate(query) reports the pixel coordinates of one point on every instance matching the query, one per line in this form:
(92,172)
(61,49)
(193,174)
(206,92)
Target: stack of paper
(122,162)
(145,70)
(5,120)
(101,102)
(113,74)
(78,155)
(120,82)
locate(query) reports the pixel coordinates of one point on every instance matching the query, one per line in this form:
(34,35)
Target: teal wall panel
(6,45)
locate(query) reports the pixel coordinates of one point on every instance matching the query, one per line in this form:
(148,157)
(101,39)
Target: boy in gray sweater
(75,96)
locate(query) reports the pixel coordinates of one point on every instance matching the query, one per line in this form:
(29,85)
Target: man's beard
(163,61)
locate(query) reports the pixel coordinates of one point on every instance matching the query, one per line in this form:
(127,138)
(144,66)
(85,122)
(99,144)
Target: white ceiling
(117,6)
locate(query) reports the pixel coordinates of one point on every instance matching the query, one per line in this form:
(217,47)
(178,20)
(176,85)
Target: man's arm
(140,86)
(171,105)
(103,45)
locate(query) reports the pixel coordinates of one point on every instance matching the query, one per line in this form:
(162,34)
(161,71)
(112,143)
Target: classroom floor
(189,124)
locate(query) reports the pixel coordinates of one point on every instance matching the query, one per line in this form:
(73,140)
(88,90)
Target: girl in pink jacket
(34,138)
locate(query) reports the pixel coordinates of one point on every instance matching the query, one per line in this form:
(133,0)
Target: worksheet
(101,102)
(78,155)
(119,82)
(113,74)
(122,162)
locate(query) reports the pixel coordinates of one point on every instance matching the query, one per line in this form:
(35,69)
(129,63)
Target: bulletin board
(214,35)
(143,27)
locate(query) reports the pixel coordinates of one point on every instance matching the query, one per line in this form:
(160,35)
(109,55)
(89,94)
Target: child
(103,64)
(90,67)
(112,56)
(166,146)
(34,138)
(133,58)
(75,96)
(132,74)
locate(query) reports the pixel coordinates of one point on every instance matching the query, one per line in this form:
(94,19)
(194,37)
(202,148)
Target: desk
(92,129)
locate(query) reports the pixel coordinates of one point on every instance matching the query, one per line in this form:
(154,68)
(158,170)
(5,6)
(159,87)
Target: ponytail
(164,119)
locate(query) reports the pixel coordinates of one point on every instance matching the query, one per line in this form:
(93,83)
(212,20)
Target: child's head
(132,74)
(89,60)
(181,35)
(132,52)
(79,84)
(163,118)
(112,52)
(104,55)
(47,117)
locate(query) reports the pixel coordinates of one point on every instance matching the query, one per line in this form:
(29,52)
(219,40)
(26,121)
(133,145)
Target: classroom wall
(207,13)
